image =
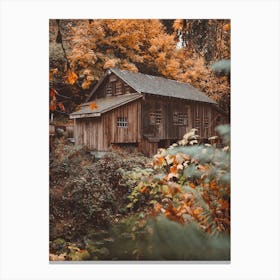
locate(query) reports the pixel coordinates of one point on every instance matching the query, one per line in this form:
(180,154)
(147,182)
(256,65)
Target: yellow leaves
(213,185)
(197,211)
(202,167)
(111,63)
(173,169)
(173,214)
(52,73)
(75,254)
(157,207)
(72,77)
(192,185)
(53,101)
(224,204)
(144,189)
(178,24)
(170,159)
(160,160)
(93,106)
(129,66)
(86,84)
(226,27)
(61,257)
(180,158)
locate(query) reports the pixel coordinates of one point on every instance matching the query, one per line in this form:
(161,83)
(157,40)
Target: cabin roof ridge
(145,83)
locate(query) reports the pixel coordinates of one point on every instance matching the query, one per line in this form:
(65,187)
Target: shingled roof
(103,105)
(141,83)
(144,83)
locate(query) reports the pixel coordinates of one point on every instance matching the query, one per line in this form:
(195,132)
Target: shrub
(84,192)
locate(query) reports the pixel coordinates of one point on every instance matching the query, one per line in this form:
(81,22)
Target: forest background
(183,50)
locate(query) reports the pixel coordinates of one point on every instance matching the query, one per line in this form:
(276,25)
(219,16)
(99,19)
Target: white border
(24,138)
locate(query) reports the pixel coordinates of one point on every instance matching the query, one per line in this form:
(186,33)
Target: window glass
(155,118)
(122,122)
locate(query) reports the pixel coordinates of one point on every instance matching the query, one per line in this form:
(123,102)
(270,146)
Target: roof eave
(189,99)
(98,84)
(79,116)
(89,115)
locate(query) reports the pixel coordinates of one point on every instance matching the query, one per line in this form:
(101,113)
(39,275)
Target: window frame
(122,122)
(180,118)
(155,117)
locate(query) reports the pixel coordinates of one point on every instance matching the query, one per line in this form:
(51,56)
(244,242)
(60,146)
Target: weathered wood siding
(100,132)
(175,117)
(202,119)
(112,85)
(148,148)
(88,131)
(128,134)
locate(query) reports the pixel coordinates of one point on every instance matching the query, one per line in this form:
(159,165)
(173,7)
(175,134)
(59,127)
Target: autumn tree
(208,38)
(89,47)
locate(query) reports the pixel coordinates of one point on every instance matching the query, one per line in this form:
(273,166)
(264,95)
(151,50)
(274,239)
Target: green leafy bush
(85,192)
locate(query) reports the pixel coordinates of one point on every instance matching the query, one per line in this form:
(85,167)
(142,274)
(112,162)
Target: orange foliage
(52,106)
(72,77)
(144,45)
(61,106)
(173,169)
(93,106)
(52,92)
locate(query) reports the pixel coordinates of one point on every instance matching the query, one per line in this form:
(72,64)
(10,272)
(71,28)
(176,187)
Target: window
(119,88)
(126,88)
(108,89)
(155,118)
(122,122)
(112,78)
(180,118)
(206,126)
(197,125)
(206,121)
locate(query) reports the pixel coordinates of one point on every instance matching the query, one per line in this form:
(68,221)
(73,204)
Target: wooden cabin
(143,112)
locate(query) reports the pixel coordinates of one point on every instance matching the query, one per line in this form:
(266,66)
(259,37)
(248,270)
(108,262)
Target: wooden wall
(100,132)
(129,134)
(148,148)
(88,131)
(112,85)
(198,115)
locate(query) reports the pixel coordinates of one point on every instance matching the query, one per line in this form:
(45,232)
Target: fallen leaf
(93,106)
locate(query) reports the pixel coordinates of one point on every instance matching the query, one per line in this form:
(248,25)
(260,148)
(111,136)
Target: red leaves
(61,106)
(53,102)
(52,106)
(52,92)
